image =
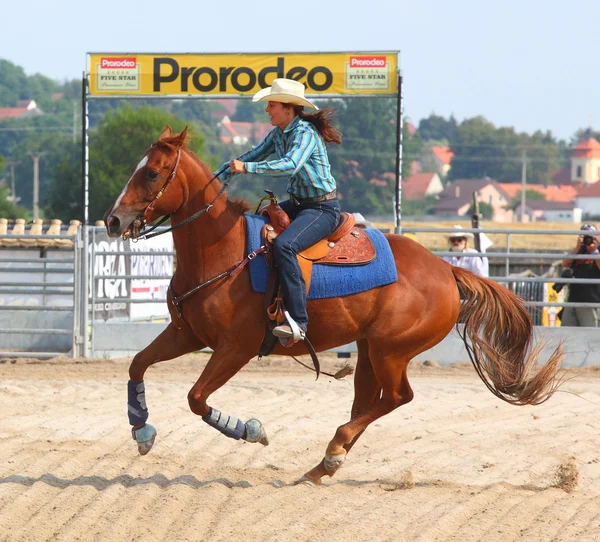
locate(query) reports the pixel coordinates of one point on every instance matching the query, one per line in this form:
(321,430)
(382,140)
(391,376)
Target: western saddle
(347,245)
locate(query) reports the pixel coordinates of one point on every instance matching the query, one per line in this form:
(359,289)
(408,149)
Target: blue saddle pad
(328,280)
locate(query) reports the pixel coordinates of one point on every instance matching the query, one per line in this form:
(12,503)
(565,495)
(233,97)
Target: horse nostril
(113,224)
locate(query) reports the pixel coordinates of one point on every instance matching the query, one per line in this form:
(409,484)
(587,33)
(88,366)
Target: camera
(566,274)
(588,240)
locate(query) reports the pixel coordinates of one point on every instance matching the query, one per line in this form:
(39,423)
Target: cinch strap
(136,403)
(230,426)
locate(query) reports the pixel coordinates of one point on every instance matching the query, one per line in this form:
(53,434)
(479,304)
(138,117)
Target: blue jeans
(311,222)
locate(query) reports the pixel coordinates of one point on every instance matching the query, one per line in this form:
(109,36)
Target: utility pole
(74,121)
(13,192)
(36,183)
(523,184)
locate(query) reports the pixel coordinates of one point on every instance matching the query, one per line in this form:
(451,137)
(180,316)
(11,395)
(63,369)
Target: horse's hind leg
(171,343)
(379,373)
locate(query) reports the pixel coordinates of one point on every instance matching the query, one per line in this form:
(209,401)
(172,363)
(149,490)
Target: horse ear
(181,137)
(166,132)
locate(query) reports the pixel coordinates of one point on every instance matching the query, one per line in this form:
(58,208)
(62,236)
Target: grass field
(526,240)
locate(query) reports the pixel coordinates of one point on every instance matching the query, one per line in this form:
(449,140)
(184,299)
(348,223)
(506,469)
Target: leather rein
(138,230)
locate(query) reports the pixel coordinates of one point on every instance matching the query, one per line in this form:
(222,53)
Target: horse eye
(152,175)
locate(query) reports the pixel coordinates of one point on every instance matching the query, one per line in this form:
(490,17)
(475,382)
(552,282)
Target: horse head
(152,190)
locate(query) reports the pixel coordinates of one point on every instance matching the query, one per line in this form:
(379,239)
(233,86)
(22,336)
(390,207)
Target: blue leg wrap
(230,426)
(136,403)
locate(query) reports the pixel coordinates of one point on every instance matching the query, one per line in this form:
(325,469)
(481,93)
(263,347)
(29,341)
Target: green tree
(12,81)
(485,209)
(121,139)
(437,128)
(482,150)
(249,111)
(8,209)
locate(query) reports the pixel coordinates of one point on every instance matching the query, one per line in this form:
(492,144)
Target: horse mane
(237,205)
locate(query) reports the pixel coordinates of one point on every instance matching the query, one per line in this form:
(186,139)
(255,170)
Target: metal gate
(40,285)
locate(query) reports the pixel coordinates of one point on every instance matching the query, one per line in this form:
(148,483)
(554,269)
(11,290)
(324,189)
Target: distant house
(28,108)
(549,211)
(565,192)
(242,133)
(584,168)
(457,198)
(421,185)
(588,199)
(228,108)
(442,157)
(585,162)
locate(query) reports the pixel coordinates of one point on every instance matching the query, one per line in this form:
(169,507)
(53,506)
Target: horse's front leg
(225,362)
(171,343)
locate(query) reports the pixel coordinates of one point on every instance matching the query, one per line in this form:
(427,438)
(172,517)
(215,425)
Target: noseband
(138,226)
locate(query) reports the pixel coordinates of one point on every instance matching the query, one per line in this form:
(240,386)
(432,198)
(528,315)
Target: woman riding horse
(298,142)
(212,304)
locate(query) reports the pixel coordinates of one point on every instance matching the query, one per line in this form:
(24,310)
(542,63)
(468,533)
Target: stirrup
(296,333)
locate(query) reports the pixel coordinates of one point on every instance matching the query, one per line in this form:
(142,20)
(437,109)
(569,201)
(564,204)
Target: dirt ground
(454,464)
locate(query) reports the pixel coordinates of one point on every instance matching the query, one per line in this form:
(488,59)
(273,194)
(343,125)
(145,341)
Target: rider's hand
(237,167)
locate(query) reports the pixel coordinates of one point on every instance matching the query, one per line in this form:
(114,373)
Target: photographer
(587,243)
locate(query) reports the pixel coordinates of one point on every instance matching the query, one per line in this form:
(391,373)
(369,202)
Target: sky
(529,64)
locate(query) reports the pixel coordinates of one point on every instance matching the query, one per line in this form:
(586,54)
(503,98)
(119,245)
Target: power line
(38,129)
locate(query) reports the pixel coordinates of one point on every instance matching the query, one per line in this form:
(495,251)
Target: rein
(230,271)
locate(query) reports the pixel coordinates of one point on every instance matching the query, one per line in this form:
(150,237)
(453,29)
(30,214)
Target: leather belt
(324,197)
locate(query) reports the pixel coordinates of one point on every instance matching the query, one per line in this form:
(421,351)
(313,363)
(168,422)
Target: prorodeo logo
(240,79)
(124,62)
(367,61)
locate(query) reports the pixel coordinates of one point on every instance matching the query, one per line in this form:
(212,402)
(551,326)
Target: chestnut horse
(390,324)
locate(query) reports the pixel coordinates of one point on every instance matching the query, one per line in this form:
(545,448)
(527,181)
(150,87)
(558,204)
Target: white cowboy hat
(286,91)
(459,233)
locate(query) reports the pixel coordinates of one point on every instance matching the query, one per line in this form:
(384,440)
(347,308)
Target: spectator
(459,242)
(587,243)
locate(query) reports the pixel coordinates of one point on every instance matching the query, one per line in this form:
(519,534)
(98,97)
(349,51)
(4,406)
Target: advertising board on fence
(111,277)
(241,74)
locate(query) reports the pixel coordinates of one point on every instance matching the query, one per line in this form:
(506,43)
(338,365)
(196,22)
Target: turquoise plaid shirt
(300,155)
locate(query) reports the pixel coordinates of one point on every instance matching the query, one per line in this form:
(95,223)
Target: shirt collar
(292,124)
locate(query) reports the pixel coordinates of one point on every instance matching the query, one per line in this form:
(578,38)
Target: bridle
(138,226)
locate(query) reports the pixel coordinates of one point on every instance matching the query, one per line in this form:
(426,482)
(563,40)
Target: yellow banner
(114,74)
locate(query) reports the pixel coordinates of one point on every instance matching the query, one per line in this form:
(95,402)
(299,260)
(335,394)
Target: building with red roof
(421,185)
(442,157)
(28,108)
(242,133)
(585,162)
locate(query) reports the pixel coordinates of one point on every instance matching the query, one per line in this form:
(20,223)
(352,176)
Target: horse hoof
(255,432)
(144,436)
(333,462)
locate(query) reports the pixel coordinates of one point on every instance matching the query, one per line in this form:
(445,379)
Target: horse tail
(500,333)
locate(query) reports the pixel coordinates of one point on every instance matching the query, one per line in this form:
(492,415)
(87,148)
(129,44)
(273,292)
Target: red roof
(412,129)
(590,191)
(11,112)
(415,187)
(444,154)
(564,192)
(587,149)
